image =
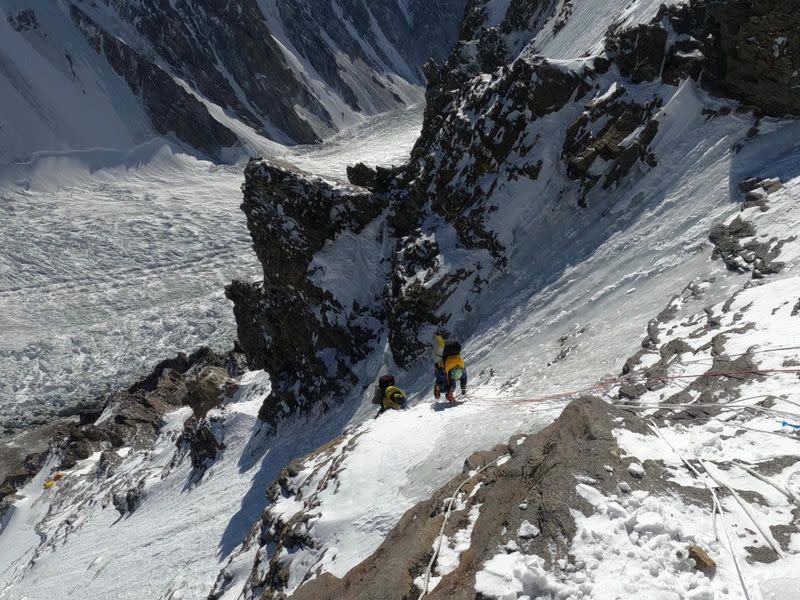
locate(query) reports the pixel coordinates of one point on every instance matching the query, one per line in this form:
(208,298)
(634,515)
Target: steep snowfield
(382,467)
(172,544)
(111,261)
(49,103)
(567,338)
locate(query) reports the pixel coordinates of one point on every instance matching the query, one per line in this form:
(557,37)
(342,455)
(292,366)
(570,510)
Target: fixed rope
(440,537)
(717,508)
(611,382)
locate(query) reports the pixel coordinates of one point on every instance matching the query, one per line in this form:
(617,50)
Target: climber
(449,367)
(388,395)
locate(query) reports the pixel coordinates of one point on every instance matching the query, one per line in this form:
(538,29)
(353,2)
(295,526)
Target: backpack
(394,398)
(452,347)
(438,349)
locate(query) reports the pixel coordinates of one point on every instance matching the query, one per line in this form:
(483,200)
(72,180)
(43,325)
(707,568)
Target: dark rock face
(23,456)
(285,323)
(126,503)
(582,147)
(24,20)
(274,67)
(195,37)
(362,175)
(749,51)
(427,29)
(759,43)
(752,255)
(639,51)
(172,109)
(202,444)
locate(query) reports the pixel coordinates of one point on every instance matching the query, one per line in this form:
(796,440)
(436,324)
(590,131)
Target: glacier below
(110,261)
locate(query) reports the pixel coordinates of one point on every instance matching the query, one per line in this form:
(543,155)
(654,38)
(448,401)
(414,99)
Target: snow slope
(382,467)
(579,291)
(195,524)
(565,339)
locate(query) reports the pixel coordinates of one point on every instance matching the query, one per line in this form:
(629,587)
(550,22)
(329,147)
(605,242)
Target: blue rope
(785,424)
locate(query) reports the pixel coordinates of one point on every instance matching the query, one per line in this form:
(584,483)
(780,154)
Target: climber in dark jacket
(388,395)
(449,369)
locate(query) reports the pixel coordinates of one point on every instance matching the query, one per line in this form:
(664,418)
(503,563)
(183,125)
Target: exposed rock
(378,179)
(425,30)
(492,50)
(703,562)
(361,175)
(203,392)
(201,442)
(631,391)
(22,456)
(126,503)
(255,82)
(639,51)
(755,256)
(749,184)
(172,110)
(527,530)
(636,470)
(480,459)
(539,473)
(749,51)
(130,418)
(288,320)
(771,185)
(24,20)
(759,42)
(613,144)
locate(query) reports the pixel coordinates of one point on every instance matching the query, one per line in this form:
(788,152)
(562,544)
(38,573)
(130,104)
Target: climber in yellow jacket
(388,395)
(449,369)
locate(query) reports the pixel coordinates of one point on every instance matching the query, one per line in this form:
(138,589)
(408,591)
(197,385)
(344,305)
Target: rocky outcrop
(759,47)
(24,20)
(749,51)
(172,110)
(524,504)
(621,142)
(297,329)
(736,245)
(128,418)
(379,179)
(493,108)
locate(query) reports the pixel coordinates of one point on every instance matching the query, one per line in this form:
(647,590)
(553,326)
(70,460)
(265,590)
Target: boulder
(362,175)
(206,390)
(703,562)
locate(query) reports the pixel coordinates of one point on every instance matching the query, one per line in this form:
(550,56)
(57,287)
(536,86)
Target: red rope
(634,378)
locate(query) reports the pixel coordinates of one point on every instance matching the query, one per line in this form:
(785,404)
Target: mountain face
(516,144)
(602,203)
(211,75)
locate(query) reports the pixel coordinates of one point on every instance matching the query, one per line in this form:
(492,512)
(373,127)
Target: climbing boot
(436,392)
